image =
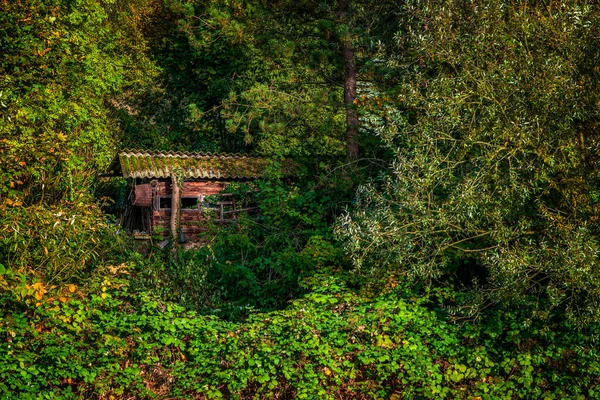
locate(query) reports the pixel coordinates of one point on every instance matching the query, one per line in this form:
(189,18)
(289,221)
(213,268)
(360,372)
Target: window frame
(161,200)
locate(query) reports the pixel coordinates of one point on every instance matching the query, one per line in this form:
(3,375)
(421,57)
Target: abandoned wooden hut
(176,192)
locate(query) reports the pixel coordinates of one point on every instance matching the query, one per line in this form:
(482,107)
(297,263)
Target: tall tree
(294,75)
(493,125)
(350,75)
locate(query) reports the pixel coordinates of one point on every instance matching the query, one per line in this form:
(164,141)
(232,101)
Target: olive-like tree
(493,127)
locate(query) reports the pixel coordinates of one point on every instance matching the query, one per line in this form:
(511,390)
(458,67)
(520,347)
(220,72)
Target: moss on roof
(162,164)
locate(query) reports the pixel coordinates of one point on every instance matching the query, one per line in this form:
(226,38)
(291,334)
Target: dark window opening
(189,203)
(164,203)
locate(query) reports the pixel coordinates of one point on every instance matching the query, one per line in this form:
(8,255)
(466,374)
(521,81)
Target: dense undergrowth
(256,263)
(108,342)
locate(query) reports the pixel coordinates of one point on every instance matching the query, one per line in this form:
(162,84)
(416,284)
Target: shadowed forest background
(437,239)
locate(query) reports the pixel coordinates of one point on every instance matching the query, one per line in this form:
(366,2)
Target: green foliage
(162,113)
(278,105)
(58,244)
(107,341)
(249,76)
(61,63)
(255,263)
(495,157)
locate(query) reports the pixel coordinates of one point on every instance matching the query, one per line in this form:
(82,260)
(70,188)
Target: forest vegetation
(438,238)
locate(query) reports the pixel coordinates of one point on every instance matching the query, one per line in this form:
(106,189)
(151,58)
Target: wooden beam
(175,215)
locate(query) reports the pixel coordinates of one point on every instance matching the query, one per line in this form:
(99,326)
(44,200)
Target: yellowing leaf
(45,250)
(61,136)
(72,288)
(42,53)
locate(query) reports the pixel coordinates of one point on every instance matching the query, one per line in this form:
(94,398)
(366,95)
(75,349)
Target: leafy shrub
(58,243)
(106,341)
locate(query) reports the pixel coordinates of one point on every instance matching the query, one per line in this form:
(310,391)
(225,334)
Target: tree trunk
(349,97)
(175,203)
(349,83)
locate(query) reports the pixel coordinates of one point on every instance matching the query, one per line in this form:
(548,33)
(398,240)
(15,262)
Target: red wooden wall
(193,221)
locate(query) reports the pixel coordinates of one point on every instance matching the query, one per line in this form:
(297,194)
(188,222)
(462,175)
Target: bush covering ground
(107,342)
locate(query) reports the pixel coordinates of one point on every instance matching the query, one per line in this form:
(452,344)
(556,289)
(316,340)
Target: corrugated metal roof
(162,164)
